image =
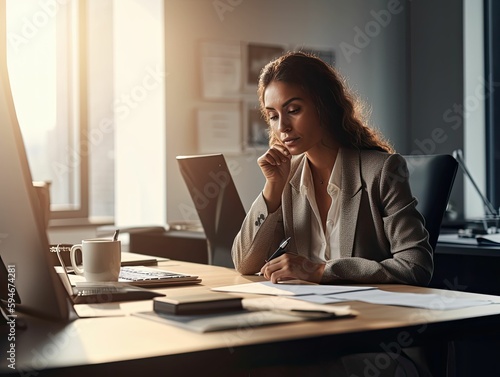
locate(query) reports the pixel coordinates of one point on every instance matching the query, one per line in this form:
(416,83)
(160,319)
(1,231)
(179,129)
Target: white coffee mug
(101,259)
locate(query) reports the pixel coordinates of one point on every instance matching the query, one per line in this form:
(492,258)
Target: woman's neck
(321,163)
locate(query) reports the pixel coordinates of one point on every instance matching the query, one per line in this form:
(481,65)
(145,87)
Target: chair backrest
(431,181)
(217,203)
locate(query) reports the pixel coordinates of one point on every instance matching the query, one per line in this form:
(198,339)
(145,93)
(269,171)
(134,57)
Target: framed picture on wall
(221,67)
(257,56)
(219,129)
(255,129)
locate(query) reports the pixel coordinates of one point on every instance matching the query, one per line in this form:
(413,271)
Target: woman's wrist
(272,196)
(318,274)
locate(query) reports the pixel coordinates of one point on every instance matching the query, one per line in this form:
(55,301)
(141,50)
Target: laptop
(217,202)
(134,269)
(24,245)
(128,287)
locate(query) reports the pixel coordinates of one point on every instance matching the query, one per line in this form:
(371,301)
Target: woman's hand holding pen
(275,165)
(291,266)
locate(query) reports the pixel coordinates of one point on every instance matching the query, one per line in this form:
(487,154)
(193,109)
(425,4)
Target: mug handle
(72,255)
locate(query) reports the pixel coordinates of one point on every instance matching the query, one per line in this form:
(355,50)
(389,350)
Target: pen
(280,250)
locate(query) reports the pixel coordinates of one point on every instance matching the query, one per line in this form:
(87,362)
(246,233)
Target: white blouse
(324,242)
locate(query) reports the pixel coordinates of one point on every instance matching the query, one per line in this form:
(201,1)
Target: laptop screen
(217,202)
(23,240)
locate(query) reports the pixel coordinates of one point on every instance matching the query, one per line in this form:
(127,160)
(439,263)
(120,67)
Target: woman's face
(293,117)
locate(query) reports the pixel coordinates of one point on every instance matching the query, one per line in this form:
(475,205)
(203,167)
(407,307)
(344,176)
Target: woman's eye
(273,117)
(293,110)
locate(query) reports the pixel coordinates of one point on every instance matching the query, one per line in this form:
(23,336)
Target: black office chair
(431,181)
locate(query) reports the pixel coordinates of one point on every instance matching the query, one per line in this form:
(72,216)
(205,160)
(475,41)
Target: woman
(332,184)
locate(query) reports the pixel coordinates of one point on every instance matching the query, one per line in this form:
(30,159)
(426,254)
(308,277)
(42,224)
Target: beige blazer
(382,235)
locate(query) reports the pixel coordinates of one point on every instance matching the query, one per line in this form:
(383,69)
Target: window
(87,87)
(48,61)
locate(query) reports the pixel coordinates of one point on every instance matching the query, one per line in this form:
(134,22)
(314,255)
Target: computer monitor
(23,241)
(217,203)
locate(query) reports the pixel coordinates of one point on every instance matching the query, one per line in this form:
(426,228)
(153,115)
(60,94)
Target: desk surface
(452,244)
(128,345)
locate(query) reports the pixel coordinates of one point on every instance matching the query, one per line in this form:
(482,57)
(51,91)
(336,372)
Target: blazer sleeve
(254,242)
(409,259)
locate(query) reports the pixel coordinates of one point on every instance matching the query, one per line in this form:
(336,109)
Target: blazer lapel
(301,213)
(350,199)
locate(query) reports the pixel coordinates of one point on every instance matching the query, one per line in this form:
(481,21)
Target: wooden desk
(133,346)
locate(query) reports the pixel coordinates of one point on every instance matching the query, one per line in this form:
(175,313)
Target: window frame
(82,212)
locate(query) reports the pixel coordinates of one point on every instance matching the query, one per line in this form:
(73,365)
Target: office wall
(367,36)
(446,76)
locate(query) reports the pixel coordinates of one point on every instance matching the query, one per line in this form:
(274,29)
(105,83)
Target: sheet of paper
(489,239)
(284,289)
(289,304)
(319,299)
(327,294)
(415,300)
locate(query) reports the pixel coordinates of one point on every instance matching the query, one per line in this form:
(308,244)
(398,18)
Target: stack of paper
(327,294)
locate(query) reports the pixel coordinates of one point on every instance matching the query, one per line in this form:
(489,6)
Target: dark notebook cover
(197,304)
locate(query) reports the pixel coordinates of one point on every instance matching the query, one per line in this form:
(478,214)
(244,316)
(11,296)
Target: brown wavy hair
(339,110)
